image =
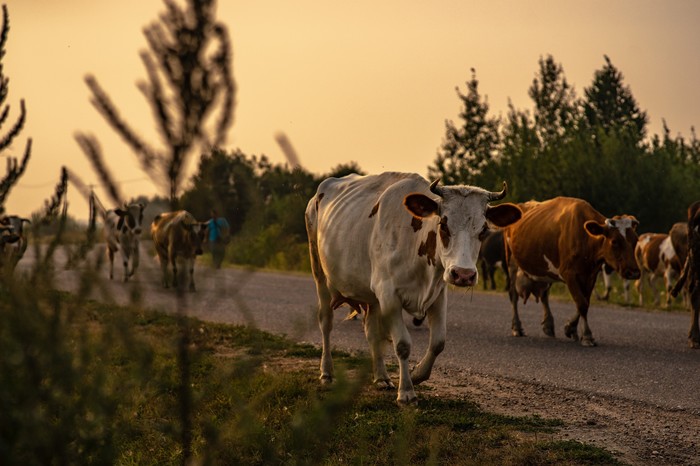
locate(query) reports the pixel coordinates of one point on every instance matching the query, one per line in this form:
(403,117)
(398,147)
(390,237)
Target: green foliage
(592,148)
(91,383)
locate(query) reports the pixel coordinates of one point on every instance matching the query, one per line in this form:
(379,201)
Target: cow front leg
(125,262)
(391,317)
(437,323)
(110,256)
(325,324)
(377,339)
(516,325)
(581,295)
(191,271)
(134,259)
(173,265)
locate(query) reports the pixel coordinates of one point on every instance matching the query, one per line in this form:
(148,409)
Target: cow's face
(462,213)
(130,219)
(619,237)
(196,232)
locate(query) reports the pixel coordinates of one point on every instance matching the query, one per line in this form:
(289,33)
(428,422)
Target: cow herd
(388,243)
(176,235)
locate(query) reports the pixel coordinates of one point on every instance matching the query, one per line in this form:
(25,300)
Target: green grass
(255,400)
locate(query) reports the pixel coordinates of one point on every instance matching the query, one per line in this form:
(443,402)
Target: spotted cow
(656,258)
(122,232)
(566,239)
(391,242)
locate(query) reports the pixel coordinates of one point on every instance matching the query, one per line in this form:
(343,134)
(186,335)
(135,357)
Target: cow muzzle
(459,276)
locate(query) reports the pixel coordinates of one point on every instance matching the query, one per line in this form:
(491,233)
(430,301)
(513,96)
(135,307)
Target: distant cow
(14,251)
(391,242)
(492,255)
(566,239)
(606,272)
(691,273)
(177,235)
(122,231)
(8,238)
(656,258)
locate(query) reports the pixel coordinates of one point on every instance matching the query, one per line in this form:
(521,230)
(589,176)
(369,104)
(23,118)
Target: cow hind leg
(547,319)
(694,332)
(325,323)
(376,337)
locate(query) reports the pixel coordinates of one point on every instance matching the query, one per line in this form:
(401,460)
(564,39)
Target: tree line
(593,147)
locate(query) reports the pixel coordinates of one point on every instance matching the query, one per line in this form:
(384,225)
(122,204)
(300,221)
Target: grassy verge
(255,400)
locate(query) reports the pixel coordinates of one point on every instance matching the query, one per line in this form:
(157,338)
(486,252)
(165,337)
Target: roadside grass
(256,400)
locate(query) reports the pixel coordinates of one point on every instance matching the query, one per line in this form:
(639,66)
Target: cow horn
(494,196)
(610,223)
(435,189)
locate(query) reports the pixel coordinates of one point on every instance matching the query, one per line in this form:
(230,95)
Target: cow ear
(420,205)
(503,215)
(120,212)
(635,222)
(594,228)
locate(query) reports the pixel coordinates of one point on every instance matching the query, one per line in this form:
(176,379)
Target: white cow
(387,242)
(122,231)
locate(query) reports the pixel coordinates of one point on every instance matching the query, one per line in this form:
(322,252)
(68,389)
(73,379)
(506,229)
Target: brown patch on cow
(416,223)
(429,247)
(445,232)
(374,210)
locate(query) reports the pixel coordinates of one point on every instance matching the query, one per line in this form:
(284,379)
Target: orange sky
(369,81)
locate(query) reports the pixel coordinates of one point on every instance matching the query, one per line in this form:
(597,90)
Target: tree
(225,182)
(610,105)
(467,150)
(189,75)
(555,102)
(14,169)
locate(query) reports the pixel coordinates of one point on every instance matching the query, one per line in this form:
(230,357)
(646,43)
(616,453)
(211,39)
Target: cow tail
(311,219)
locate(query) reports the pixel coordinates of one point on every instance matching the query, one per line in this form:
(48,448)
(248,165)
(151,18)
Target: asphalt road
(641,355)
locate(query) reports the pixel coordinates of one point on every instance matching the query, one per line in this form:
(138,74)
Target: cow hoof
(518,332)
(549,331)
(589,342)
(695,344)
(326,379)
(407,401)
(384,385)
(570,332)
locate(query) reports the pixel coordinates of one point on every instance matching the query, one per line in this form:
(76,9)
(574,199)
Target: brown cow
(566,239)
(177,234)
(691,273)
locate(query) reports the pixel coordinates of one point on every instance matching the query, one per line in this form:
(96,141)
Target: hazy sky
(369,81)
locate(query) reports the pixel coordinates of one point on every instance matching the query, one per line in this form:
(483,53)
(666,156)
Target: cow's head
(196,232)
(462,213)
(15,222)
(619,236)
(7,235)
(130,219)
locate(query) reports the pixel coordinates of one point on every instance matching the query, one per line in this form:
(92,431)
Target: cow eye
(483,233)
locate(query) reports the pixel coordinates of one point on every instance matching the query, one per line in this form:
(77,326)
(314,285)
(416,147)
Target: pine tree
(555,102)
(467,150)
(610,105)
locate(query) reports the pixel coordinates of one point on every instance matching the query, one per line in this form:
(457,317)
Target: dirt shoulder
(636,433)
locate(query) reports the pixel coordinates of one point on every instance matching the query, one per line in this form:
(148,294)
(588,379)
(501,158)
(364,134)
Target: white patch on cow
(551,268)
(643,241)
(666,251)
